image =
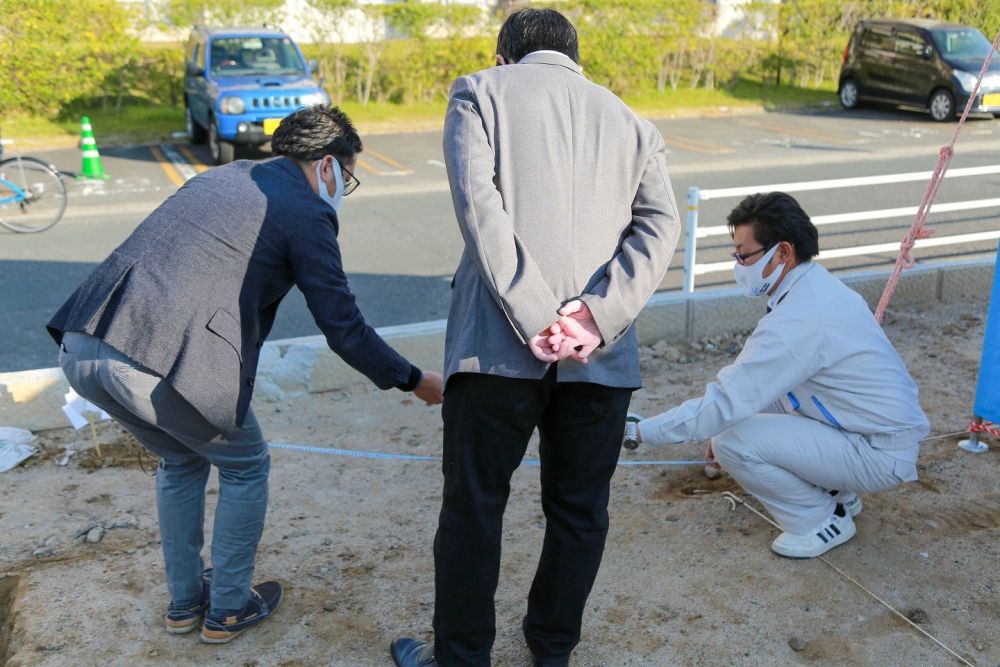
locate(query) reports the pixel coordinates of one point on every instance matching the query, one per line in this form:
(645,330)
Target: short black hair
(530,29)
(314,132)
(777,217)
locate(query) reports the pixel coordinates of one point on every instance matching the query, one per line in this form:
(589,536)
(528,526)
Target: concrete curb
(33,399)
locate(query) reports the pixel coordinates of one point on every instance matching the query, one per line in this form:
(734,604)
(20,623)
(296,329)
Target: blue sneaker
(184,616)
(264,600)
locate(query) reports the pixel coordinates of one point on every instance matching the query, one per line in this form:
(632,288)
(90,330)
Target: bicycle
(32,194)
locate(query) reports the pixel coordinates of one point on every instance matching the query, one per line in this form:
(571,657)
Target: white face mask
(751,278)
(333,201)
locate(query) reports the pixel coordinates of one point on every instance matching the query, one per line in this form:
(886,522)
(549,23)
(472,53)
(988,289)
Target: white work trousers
(791,463)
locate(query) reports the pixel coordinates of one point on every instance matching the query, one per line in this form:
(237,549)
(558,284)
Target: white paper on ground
(15,446)
(75,408)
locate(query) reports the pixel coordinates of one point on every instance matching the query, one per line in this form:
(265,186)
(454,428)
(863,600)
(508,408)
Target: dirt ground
(685,580)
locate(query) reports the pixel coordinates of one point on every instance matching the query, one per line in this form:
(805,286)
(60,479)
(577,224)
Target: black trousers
(488,421)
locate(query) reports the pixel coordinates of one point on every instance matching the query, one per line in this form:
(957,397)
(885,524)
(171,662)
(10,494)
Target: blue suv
(238,85)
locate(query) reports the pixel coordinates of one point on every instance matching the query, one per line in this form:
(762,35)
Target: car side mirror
(193,70)
(313,64)
(927,52)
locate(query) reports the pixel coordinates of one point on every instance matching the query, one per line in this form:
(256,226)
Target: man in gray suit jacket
(562,195)
(165,335)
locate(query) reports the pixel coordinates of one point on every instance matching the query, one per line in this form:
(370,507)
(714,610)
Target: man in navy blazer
(165,335)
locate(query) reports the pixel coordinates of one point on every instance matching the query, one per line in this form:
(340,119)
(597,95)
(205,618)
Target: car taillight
(844,59)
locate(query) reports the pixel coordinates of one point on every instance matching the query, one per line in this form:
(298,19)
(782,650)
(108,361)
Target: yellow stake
(93,434)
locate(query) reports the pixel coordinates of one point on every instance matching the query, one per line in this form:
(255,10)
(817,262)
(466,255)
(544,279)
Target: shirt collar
(547,57)
(787,283)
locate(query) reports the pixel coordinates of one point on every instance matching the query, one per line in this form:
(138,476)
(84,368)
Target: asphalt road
(401,245)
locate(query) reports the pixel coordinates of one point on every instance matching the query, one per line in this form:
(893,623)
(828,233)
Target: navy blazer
(192,293)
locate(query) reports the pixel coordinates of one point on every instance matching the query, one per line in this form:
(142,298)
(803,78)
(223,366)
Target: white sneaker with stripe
(831,533)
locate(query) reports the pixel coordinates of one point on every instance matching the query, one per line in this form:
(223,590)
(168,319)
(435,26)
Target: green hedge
(406,70)
(417,71)
(63,55)
(57,51)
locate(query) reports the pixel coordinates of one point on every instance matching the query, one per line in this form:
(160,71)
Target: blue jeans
(188,446)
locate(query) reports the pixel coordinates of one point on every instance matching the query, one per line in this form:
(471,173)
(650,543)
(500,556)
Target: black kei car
(920,63)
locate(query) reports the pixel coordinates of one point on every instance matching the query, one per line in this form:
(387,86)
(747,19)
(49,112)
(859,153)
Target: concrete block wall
(33,399)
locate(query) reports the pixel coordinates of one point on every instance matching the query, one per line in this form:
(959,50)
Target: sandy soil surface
(685,580)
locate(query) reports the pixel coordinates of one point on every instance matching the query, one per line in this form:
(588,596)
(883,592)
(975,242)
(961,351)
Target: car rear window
(876,39)
(962,43)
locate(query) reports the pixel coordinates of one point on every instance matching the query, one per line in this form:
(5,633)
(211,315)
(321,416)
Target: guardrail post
(691,240)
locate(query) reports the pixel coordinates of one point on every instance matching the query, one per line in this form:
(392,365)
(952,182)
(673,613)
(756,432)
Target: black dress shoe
(409,652)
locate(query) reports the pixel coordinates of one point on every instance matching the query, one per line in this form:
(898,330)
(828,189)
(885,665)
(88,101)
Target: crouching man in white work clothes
(818,406)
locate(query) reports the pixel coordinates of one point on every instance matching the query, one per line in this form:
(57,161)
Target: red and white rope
(917,230)
(976,426)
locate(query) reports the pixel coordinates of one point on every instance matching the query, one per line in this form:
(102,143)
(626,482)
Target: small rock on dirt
(712,472)
(918,616)
(95,535)
(796,644)
(329,605)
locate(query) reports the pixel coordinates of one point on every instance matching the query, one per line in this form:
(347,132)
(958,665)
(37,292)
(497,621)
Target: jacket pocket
(226,327)
(905,471)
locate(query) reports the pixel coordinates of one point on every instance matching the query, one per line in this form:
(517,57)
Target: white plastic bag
(15,446)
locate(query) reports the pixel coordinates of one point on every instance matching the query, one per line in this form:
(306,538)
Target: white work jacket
(818,353)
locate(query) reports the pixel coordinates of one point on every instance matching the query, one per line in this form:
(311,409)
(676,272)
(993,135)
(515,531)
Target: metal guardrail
(697,195)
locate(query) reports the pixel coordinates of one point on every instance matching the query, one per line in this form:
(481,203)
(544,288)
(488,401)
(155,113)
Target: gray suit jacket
(192,293)
(560,191)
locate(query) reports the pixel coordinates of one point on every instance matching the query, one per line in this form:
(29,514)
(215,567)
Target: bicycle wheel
(32,196)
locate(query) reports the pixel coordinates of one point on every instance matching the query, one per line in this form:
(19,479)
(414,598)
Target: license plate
(991,100)
(270,125)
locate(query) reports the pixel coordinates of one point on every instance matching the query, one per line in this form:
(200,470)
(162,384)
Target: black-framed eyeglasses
(742,259)
(351,183)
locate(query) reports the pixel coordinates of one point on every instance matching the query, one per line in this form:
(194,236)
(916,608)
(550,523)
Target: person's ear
(786,252)
(501,60)
(324,167)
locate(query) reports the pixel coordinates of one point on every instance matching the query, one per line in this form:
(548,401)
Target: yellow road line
(388,160)
(367,167)
(796,129)
(167,166)
(697,146)
(195,162)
